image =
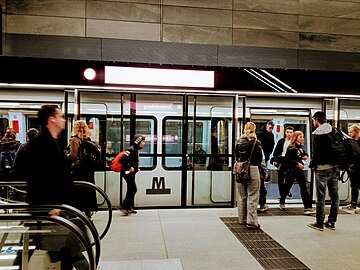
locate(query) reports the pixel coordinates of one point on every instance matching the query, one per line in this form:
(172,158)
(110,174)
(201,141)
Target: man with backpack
(325,164)
(354,133)
(129,168)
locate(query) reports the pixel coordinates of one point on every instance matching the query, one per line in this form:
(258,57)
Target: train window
(172,142)
(144,126)
(210,145)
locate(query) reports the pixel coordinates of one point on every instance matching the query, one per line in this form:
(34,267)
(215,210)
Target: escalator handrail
(77,183)
(70,209)
(60,221)
(108,202)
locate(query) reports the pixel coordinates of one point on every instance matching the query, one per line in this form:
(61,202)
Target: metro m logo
(158,187)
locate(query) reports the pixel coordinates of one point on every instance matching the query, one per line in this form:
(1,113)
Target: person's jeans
(327,178)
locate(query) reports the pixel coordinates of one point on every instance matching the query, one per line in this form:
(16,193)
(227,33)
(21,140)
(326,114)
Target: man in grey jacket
(326,173)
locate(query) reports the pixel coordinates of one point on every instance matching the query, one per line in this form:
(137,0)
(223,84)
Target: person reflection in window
(214,162)
(200,157)
(110,153)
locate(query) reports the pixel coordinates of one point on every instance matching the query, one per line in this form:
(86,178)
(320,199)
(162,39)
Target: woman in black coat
(294,169)
(82,170)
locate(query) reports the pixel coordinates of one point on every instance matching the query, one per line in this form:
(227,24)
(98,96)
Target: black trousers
(290,177)
(131,190)
(355,185)
(263,192)
(281,181)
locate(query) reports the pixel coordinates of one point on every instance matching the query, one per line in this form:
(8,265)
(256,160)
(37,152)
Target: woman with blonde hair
(80,169)
(249,192)
(294,169)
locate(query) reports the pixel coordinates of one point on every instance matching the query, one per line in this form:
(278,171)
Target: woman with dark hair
(294,169)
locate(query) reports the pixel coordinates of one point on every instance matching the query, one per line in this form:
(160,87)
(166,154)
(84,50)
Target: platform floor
(199,239)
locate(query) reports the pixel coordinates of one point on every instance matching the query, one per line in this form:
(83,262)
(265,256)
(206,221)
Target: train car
(190,135)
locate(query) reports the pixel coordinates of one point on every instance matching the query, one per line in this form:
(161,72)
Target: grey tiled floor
(196,239)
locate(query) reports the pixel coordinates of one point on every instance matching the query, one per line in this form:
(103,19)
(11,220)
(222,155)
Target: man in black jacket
(49,180)
(130,166)
(279,155)
(266,137)
(354,133)
(326,173)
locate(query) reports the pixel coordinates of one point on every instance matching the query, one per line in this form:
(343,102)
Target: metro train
(190,135)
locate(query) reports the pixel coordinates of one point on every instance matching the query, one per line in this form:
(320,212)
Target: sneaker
(330,225)
(309,211)
(290,195)
(349,207)
(357,211)
(124,211)
(253,227)
(316,226)
(282,207)
(132,211)
(263,208)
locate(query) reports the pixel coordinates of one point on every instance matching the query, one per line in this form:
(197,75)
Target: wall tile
(123,11)
(274,6)
(197,34)
(330,9)
(265,21)
(41,25)
(122,30)
(329,25)
(223,4)
(274,39)
(197,16)
(61,8)
(309,41)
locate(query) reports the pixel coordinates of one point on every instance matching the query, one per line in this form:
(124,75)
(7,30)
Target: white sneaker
(349,207)
(282,207)
(309,211)
(263,208)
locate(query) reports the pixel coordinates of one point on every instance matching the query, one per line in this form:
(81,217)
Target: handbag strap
(252,150)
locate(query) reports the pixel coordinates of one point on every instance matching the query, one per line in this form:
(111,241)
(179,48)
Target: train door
(209,151)
(85,106)
(159,119)
(300,120)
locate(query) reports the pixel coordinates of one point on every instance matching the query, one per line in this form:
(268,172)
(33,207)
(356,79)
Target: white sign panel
(159,77)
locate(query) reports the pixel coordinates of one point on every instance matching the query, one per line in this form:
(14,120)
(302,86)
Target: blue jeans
(328,178)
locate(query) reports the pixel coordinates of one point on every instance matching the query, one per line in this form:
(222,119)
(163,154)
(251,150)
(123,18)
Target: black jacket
(130,159)
(243,150)
(277,153)
(49,180)
(267,142)
(322,154)
(294,155)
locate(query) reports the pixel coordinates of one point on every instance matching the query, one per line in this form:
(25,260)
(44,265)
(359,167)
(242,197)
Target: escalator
(29,234)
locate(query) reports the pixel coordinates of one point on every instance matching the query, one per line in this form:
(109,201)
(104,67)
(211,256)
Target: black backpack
(89,153)
(345,150)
